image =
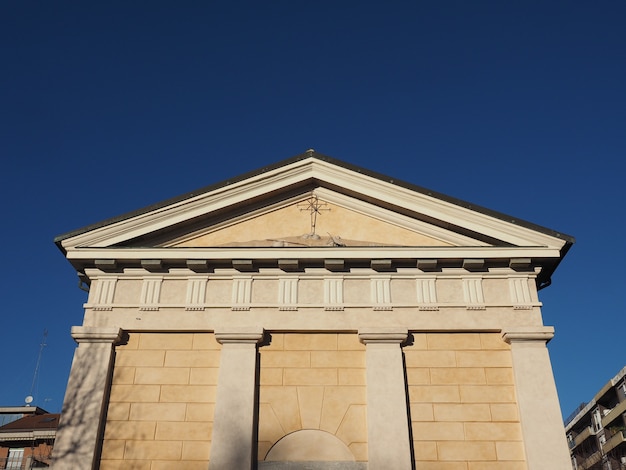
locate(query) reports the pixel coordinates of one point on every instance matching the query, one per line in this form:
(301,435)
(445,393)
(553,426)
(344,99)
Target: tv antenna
(29,399)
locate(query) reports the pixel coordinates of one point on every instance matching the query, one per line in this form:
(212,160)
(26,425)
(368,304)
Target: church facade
(312,314)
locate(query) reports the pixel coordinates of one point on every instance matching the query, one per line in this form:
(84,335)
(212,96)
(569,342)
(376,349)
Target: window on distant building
(14,461)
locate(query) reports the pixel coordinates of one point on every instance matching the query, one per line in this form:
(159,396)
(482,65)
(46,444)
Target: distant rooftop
(32,423)
(9,414)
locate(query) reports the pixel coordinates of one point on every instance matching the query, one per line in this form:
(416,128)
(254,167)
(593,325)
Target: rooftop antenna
(29,399)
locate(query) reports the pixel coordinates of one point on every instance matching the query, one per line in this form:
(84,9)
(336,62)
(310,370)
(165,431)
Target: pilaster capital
(95,334)
(250,335)
(383,335)
(524,334)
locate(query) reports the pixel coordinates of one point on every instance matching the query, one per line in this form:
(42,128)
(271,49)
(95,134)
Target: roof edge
(568,239)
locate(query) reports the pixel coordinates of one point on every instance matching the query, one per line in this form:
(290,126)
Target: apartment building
(27,437)
(596,431)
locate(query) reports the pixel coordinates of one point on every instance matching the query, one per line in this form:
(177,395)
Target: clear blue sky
(111,106)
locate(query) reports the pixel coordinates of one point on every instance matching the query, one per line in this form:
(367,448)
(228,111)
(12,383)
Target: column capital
(519,334)
(95,334)
(250,335)
(383,335)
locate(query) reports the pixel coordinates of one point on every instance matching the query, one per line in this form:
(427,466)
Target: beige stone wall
(162,401)
(313,381)
(464,414)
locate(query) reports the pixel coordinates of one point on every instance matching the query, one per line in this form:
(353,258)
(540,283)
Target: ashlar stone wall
(464,414)
(162,402)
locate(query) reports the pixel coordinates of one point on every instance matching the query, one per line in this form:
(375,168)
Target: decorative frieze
(473,293)
(381,293)
(242,293)
(150,293)
(288,294)
(333,294)
(196,293)
(312,289)
(427,294)
(103,292)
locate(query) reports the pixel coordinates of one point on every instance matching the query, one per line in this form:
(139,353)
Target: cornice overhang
(427,259)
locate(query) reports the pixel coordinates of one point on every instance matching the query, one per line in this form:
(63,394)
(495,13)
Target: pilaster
(233,438)
(387,417)
(78,439)
(542,426)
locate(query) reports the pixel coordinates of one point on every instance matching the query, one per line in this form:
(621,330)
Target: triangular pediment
(272,209)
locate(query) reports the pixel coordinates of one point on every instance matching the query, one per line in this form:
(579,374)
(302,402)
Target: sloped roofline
(569,240)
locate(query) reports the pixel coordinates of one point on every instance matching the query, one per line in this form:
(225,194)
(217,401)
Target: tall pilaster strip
(79,436)
(233,438)
(388,440)
(542,426)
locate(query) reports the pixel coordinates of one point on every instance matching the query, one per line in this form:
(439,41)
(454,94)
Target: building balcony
(581,437)
(614,413)
(615,440)
(590,461)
